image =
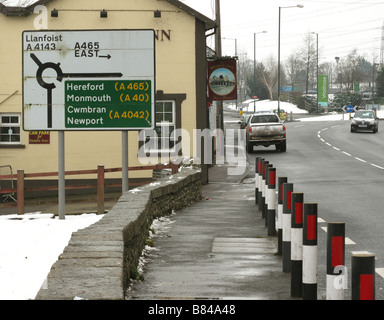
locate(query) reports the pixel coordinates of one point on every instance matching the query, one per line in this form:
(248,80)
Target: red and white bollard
(257,176)
(265,188)
(310,273)
(297,244)
(279,221)
(336,280)
(363,276)
(262,185)
(271,196)
(286,243)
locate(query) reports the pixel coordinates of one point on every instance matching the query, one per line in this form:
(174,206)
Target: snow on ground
(29,245)
(266,105)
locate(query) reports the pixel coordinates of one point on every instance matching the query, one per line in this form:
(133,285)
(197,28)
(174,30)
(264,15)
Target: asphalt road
(343,172)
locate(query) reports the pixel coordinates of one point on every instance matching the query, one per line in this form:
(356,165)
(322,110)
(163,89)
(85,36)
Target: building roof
(209,24)
(27,10)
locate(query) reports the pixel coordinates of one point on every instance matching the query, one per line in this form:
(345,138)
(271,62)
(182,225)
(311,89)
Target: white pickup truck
(265,129)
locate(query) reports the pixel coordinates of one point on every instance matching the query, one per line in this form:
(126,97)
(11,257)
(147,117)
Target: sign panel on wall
(39,137)
(88,80)
(222,80)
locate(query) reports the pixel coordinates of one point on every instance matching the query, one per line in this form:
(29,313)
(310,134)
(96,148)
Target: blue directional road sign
(349,108)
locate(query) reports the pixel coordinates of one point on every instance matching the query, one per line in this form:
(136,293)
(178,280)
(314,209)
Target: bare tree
(244,72)
(292,69)
(267,72)
(308,57)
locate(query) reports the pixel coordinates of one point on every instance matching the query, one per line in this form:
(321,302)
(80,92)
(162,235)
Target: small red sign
(39,137)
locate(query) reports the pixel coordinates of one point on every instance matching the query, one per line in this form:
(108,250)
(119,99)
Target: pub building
(180,93)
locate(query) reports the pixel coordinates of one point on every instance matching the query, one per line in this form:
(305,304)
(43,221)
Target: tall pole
(278,68)
(317,71)
(61,154)
(254,68)
(124,161)
(220,123)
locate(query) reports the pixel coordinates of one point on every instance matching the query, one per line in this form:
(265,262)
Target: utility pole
(220,113)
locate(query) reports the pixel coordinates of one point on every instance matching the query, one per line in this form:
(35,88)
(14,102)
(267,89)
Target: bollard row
(294,222)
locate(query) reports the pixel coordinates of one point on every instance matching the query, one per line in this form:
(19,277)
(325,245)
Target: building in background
(181,82)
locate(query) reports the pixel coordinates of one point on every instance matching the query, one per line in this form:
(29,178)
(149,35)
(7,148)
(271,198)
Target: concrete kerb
(100,260)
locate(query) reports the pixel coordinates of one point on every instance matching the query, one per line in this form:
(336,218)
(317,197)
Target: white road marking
(380,272)
(376,166)
(347,240)
(346,153)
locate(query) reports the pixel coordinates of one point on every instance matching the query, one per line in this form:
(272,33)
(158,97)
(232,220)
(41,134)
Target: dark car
(365,120)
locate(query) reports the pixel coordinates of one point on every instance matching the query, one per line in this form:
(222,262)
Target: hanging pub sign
(222,80)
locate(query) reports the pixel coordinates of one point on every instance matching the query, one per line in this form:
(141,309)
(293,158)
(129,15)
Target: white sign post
(83,80)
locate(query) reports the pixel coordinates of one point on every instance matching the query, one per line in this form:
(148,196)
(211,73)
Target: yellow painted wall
(175,73)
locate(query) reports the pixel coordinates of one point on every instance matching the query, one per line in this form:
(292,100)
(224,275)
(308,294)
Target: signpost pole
(61,175)
(124,167)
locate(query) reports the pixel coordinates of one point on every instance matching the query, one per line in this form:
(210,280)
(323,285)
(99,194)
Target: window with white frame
(165,125)
(10,128)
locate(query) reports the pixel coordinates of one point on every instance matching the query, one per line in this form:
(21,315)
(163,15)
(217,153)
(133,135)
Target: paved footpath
(217,248)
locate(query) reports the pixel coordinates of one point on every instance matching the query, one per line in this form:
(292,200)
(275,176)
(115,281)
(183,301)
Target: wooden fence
(20,177)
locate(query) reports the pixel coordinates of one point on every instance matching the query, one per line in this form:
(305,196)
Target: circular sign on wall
(222,81)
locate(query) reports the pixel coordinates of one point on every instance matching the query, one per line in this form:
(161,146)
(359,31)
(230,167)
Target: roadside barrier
(100,184)
(260,165)
(363,276)
(297,244)
(336,278)
(257,176)
(279,223)
(266,195)
(264,163)
(260,182)
(271,208)
(287,202)
(296,225)
(310,251)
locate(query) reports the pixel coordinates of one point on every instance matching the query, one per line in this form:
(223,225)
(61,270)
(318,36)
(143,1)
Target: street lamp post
(278,68)
(254,64)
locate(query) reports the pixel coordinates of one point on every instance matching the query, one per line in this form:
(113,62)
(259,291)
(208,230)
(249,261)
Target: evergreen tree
(380,82)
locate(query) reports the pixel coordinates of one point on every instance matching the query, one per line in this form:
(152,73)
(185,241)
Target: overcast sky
(342,25)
